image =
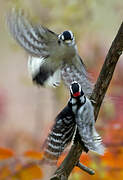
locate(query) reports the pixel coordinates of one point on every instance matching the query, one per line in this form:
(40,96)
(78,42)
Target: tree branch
(85,168)
(107,71)
(101,86)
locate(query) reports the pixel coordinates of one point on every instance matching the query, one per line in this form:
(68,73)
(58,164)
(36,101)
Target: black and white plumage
(75,122)
(84,118)
(52,56)
(60,135)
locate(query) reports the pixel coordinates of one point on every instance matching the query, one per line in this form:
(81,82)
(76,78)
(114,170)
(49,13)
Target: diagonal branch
(107,71)
(101,86)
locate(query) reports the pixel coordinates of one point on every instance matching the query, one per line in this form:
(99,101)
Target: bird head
(67,37)
(76,90)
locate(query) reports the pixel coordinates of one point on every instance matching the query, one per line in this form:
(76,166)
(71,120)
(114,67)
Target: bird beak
(68,41)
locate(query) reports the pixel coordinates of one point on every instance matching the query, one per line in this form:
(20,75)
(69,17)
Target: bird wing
(76,71)
(40,42)
(35,39)
(69,72)
(85,124)
(60,135)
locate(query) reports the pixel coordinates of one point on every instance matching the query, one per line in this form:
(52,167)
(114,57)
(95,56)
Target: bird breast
(63,53)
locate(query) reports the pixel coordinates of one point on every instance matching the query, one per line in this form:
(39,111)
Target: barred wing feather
(60,136)
(86,127)
(33,38)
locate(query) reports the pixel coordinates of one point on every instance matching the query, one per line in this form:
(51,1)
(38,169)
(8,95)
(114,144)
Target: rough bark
(98,94)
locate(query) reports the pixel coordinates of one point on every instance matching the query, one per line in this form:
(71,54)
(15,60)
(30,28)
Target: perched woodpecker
(60,135)
(84,118)
(75,122)
(52,56)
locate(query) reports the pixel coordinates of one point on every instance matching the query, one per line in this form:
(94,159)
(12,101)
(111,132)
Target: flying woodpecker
(52,56)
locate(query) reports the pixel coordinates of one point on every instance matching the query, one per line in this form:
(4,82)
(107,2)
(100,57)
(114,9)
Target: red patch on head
(76,94)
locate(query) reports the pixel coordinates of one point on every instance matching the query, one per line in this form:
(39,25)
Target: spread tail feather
(41,74)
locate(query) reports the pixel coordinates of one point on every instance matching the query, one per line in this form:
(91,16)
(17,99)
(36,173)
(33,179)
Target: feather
(60,135)
(86,126)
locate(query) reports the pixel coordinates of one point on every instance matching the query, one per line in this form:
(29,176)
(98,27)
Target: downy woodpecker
(52,56)
(75,122)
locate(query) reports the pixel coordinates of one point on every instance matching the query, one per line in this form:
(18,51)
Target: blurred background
(27,112)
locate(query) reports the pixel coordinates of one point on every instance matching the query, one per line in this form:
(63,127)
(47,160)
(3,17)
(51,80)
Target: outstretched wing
(60,136)
(86,127)
(76,71)
(41,43)
(35,39)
